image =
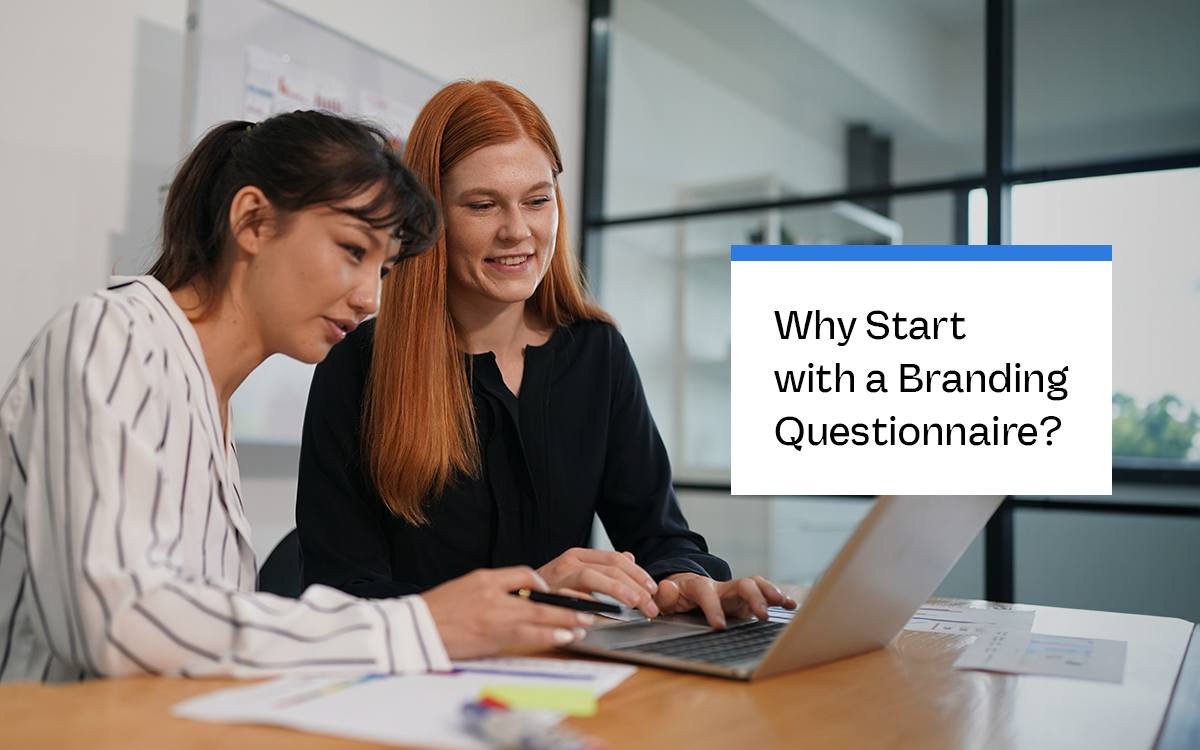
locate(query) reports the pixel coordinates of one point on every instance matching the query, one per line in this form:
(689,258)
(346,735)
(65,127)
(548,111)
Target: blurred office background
(800,105)
(840,121)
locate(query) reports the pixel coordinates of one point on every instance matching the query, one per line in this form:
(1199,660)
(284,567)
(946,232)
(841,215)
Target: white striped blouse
(124,547)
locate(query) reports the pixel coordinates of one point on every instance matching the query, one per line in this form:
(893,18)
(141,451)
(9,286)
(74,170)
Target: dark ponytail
(297,159)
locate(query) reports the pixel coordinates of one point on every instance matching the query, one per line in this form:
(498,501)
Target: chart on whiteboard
(277,83)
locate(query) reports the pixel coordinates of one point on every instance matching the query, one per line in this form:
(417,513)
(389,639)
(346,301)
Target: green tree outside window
(1163,429)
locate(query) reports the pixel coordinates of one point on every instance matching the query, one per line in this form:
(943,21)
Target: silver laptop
(887,569)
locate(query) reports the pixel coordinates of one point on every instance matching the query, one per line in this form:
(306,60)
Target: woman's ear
(249,216)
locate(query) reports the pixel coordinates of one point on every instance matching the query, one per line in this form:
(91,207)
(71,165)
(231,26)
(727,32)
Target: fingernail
(580,634)
(562,635)
(585,618)
(650,585)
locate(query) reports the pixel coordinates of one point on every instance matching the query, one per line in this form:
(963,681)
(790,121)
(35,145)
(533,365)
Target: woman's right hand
(477,616)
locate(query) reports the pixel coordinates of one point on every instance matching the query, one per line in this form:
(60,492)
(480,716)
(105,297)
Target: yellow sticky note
(567,700)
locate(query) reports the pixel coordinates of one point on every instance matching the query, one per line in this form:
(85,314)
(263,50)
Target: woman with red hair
(491,410)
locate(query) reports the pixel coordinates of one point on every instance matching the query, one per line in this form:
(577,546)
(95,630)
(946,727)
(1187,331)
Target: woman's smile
(501,213)
(511,263)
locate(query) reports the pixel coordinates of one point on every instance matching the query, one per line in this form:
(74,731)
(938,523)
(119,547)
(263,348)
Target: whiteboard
(248,59)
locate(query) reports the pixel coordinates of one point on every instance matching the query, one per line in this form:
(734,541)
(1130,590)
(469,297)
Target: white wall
(81,82)
(67,83)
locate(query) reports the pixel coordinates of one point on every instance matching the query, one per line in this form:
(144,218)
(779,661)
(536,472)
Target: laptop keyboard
(725,647)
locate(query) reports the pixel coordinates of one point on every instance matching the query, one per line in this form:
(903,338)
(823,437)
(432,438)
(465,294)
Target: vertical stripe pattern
(124,547)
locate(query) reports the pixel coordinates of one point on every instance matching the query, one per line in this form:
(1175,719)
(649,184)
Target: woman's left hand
(742,597)
(581,572)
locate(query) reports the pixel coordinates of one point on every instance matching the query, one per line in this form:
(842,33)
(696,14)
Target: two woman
(490,410)
(124,547)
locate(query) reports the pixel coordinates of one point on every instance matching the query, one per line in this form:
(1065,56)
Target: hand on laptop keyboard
(743,597)
(581,572)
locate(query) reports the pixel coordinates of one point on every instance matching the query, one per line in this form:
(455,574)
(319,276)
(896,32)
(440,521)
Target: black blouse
(578,441)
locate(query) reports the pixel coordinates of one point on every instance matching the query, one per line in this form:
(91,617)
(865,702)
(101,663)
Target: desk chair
(280,574)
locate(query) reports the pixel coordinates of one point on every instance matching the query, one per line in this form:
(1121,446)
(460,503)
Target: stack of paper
(423,710)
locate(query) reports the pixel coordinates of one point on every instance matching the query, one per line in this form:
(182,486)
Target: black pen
(570,602)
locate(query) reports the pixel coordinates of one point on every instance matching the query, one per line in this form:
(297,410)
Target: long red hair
(418,417)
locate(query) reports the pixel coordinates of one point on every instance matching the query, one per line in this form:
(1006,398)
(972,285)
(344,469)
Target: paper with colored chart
(1059,656)
(423,710)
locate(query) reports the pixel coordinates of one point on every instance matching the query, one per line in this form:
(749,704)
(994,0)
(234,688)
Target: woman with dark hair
(124,547)
(491,410)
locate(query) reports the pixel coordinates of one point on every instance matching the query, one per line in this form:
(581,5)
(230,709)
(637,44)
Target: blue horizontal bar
(922,252)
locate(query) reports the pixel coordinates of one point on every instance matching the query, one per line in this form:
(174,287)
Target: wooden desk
(904,697)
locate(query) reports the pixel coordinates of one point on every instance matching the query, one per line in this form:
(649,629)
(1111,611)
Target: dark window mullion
(999,544)
(595,133)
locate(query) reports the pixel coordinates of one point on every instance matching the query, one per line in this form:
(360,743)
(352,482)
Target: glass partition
(1150,220)
(668,285)
(784,90)
(871,113)
(1105,80)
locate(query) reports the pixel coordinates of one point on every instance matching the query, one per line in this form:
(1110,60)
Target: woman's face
(501,218)
(315,278)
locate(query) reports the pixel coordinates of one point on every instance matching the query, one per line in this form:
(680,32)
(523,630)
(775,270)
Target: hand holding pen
(570,602)
(477,616)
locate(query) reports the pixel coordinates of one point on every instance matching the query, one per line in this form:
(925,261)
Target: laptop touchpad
(632,634)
